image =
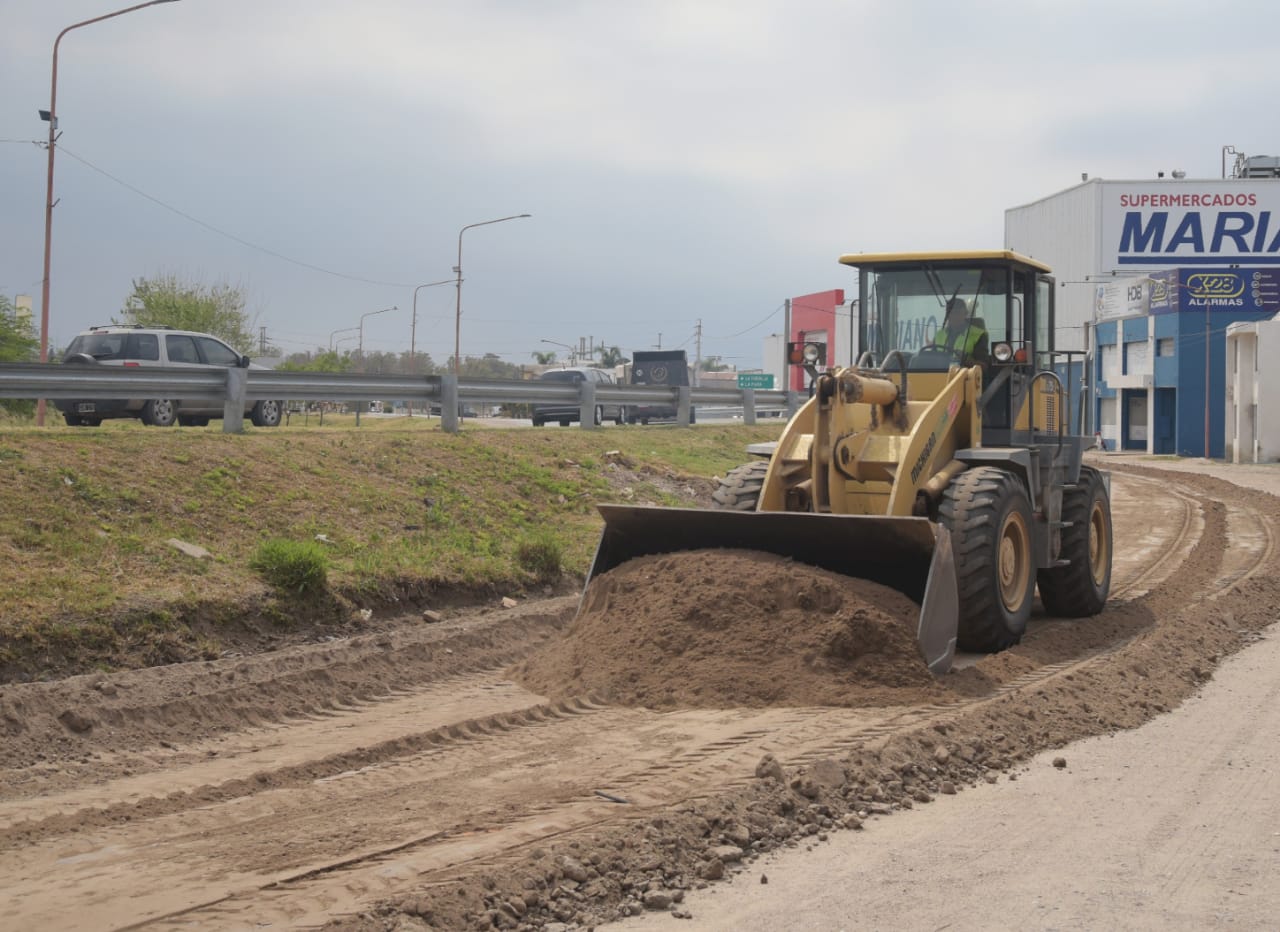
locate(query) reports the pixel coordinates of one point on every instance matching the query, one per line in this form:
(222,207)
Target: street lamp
(571,350)
(457,270)
(52,116)
(361,328)
(413,327)
(336,332)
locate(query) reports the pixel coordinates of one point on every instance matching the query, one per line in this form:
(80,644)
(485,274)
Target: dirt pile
(715,628)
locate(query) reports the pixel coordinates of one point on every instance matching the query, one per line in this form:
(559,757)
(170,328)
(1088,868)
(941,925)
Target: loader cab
(905,299)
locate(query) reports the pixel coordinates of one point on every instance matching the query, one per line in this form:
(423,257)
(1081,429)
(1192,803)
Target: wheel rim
(270,412)
(1099,557)
(164,411)
(1014,565)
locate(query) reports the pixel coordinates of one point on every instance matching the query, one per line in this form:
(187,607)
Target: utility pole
(786,338)
(697,353)
(262,341)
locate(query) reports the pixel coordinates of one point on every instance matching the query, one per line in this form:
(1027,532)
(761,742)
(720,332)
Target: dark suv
(568,413)
(157,346)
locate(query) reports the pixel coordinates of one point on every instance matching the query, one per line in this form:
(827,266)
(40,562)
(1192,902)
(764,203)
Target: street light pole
(48,200)
(572,351)
(334,333)
(413,327)
(361,328)
(1207,359)
(457,271)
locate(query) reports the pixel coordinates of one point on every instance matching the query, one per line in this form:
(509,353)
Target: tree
(18,343)
(612,358)
(713,364)
(321,362)
(168,301)
(489,366)
(543,359)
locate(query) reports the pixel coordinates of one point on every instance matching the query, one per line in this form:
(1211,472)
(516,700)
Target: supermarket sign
(1191,223)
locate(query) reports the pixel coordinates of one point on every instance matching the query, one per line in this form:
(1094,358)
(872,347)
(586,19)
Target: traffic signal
(807,354)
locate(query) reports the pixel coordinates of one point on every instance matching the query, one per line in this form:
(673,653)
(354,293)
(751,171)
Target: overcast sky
(683,160)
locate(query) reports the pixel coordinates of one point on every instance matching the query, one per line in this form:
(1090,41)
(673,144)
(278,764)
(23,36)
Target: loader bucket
(912,555)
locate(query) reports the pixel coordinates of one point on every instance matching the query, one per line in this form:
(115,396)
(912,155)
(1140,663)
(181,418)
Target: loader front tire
(988,514)
(740,489)
(1080,589)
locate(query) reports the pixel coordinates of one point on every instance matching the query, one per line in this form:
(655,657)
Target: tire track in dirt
(497,771)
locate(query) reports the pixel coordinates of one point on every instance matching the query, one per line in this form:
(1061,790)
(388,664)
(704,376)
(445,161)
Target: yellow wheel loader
(943,464)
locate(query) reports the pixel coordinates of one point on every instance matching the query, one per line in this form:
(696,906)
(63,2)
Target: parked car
(157,346)
(566,414)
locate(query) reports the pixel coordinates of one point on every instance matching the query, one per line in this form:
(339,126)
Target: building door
(1108,423)
(1135,419)
(1166,410)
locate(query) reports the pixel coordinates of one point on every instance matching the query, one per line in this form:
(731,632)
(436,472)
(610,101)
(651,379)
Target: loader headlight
(807,353)
(1002,352)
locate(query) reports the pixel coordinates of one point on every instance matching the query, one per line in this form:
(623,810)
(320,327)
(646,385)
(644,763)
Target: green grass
(298,567)
(396,507)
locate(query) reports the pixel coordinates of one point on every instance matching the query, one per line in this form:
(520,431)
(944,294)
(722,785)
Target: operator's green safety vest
(963,342)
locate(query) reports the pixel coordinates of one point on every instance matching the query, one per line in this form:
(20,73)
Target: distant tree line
(18,343)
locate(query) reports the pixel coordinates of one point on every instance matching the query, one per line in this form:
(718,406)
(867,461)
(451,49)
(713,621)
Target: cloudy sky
(684,161)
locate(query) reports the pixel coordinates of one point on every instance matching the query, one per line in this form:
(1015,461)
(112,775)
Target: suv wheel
(160,412)
(266,414)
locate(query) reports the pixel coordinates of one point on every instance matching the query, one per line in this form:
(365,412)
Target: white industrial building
(1152,274)
(1253,392)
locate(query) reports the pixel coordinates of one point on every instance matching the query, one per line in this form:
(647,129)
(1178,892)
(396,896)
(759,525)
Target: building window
(1137,360)
(1110,362)
(1164,346)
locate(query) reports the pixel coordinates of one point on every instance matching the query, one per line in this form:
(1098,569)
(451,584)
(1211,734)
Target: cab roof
(916,258)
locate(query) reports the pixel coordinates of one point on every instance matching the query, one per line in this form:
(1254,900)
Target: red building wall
(813,316)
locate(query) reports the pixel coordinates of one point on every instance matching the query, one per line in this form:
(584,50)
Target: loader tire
(740,489)
(1080,589)
(988,514)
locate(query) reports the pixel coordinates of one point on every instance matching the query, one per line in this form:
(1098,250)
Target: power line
(224,233)
(761,323)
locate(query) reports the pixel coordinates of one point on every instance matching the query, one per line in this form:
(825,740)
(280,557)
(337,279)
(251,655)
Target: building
(822,317)
(1151,275)
(1155,338)
(1253,393)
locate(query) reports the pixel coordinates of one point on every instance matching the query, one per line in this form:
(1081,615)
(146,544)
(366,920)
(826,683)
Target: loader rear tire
(740,489)
(988,514)
(1080,589)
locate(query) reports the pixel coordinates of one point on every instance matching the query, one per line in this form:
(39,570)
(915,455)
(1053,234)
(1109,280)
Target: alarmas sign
(1182,223)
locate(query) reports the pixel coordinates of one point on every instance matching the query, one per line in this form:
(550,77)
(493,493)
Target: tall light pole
(413,327)
(361,328)
(334,333)
(572,351)
(457,270)
(52,117)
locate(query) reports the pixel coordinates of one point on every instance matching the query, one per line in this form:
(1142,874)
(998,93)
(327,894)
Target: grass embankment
(393,514)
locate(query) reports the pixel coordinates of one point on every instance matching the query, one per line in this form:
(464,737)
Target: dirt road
(406,780)
(1171,826)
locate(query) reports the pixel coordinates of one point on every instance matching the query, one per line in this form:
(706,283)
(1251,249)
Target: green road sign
(760,380)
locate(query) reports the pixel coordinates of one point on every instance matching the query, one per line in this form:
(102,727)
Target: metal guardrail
(238,386)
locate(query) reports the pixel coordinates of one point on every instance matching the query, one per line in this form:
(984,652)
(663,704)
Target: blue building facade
(1159,355)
